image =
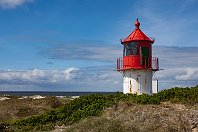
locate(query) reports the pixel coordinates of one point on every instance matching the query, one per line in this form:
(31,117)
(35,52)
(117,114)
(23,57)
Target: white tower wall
(137,81)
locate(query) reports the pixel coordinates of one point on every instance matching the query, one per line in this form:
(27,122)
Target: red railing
(155,63)
(145,63)
(119,64)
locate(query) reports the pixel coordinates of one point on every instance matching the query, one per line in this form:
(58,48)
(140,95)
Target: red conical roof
(137,35)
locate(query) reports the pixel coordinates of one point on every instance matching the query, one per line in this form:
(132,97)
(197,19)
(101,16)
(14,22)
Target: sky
(72,45)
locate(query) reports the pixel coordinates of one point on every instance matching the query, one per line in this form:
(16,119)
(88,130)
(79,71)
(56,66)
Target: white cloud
(13,3)
(37,76)
(69,73)
(179,64)
(176,57)
(176,77)
(191,74)
(70,79)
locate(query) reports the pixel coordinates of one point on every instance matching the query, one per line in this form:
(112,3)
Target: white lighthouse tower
(137,64)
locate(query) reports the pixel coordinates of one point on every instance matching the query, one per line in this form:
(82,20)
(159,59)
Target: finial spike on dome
(137,24)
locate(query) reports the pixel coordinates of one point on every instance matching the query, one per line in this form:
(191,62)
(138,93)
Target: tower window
(131,49)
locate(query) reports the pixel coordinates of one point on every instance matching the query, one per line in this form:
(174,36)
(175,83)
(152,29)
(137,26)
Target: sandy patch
(37,97)
(3,98)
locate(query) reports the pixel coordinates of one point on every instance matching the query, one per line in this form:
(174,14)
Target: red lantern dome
(137,35)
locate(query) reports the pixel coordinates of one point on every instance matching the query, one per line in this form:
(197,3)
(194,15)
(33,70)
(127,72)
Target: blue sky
(72,45)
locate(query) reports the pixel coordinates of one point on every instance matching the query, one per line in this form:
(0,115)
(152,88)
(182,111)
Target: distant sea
(42,93)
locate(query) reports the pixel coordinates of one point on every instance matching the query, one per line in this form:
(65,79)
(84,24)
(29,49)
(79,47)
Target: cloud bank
(179,64)
(38,76)
(13,3)
(69,79)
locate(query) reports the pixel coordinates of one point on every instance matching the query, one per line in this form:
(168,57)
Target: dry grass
(15,108)
(129,117)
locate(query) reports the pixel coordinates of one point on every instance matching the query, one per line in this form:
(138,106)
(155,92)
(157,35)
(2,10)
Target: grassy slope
(131,117)
(93,105)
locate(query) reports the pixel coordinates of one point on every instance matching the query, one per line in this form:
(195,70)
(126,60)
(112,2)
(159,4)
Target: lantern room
(137,51)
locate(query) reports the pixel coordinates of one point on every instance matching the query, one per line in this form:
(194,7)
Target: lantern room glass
(131,49)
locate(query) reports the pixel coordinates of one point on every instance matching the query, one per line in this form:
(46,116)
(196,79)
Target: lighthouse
(137,64)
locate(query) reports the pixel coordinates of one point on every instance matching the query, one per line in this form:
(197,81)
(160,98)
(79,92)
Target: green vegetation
(93,105)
